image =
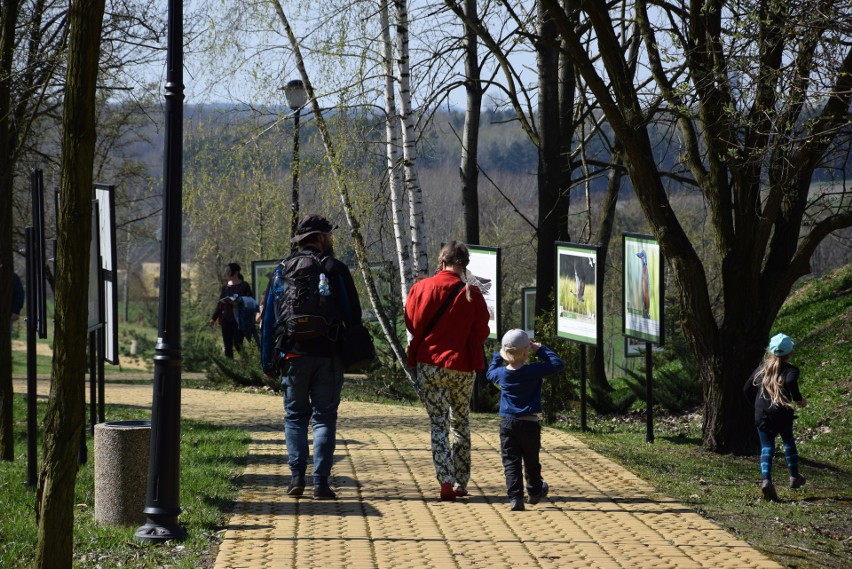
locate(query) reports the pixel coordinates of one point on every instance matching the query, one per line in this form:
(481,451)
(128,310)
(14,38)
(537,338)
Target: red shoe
(460,492)
(447,492)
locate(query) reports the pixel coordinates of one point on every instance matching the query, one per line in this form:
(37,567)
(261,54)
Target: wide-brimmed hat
(310,224)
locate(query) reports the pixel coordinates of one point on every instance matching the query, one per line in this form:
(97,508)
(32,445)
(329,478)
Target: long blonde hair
(770,378)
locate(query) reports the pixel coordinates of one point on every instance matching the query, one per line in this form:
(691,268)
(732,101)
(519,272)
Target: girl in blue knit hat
(773,388)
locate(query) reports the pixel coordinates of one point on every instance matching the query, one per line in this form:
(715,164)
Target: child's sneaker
(447,492)
(516,504)
(460,492)
(768,490)
(536,498)
(797,482)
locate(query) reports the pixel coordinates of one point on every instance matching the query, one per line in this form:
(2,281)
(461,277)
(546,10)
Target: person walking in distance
(224,313)
(448,322)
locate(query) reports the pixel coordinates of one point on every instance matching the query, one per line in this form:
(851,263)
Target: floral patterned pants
(446,395)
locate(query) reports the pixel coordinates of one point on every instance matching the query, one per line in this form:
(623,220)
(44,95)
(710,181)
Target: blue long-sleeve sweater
(520,393)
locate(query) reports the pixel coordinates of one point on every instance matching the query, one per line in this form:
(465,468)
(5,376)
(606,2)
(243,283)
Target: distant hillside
(503,146)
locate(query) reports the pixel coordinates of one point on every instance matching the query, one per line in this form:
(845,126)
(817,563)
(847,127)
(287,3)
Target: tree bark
(419,258)
(9,17)
(469,168)
(403,250)
(64,419)
(549,165)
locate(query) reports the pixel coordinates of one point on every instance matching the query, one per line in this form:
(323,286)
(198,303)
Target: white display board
(105,195)
(485,265)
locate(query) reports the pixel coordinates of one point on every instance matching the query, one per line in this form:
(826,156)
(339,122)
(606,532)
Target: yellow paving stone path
(388,514)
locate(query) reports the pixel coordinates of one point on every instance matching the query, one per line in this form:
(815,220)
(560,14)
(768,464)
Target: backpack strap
(344,299)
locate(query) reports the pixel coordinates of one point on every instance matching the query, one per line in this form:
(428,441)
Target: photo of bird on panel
(578,295)
(643,288)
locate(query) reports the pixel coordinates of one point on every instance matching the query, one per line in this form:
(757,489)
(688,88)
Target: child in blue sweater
(520,409)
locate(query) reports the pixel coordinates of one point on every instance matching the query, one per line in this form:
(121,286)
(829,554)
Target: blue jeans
(311,394)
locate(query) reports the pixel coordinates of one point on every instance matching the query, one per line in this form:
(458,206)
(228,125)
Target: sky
(249,62)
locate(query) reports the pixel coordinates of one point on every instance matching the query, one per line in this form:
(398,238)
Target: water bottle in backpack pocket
(306,307)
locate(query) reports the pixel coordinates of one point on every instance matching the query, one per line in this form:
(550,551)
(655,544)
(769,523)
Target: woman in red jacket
(448,322)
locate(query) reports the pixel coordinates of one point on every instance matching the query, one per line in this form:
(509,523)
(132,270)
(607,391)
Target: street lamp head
(296,94)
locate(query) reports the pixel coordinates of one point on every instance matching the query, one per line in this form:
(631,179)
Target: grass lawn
(211,460)
(44,350)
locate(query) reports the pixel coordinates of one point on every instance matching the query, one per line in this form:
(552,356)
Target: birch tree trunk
(63,423)
(403,254)
(387,326)
(419,259)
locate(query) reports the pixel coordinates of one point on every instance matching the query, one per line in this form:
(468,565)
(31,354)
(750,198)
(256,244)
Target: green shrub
(674,387)
(676,380)
(244,370)
(385,379)
(560,390)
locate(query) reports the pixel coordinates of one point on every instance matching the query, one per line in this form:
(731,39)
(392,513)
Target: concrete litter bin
(121,471)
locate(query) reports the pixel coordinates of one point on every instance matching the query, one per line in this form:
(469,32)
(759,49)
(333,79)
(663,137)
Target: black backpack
(305,300)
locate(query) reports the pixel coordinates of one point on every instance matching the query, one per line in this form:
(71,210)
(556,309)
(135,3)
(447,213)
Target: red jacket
(456,340)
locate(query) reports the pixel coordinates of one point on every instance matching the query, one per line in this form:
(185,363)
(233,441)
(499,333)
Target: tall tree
(35,35)
(8,21)
(63,424)
(419,258)
(388,327)
(552,208)
(469,168)
(394,175)
(760,92)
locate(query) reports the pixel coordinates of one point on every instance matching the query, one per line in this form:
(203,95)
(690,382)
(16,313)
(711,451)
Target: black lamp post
(163,501)
(297,96)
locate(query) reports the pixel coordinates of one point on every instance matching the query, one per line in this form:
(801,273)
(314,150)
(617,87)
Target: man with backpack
(311,297)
